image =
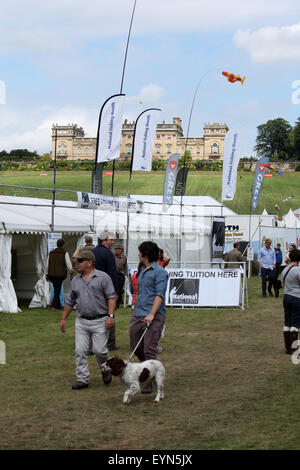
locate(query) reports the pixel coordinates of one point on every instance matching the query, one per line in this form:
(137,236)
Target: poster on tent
(111,203)
(204,287)
(52,240)
(285,236)
(218,238)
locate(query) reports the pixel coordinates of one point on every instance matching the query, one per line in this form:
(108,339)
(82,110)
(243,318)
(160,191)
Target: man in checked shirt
(94,295)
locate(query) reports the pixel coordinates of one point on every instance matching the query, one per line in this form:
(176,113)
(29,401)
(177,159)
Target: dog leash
(146,329)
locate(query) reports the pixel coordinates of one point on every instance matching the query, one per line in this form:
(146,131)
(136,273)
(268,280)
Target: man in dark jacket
(105,261)
(58,265)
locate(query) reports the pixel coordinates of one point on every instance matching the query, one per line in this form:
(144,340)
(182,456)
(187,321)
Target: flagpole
(54,183)
(122,82)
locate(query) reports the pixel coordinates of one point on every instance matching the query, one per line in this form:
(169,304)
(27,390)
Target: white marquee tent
(25,222)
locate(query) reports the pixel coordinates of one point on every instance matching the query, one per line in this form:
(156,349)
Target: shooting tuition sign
(204,287)
(98,201)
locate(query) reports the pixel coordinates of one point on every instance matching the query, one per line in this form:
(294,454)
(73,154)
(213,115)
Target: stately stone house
(71,144)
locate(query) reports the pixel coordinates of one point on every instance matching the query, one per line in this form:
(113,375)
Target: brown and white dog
(133,374)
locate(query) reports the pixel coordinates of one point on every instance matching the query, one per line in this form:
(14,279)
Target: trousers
(147,347)
(84,331)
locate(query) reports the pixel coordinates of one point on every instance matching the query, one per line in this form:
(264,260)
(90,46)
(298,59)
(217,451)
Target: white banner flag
(144,137)
(230,164)
(110,129)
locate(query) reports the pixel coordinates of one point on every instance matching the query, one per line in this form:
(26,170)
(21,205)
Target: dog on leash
(133,374)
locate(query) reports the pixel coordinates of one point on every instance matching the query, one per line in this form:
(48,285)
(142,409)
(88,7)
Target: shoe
(264,295)
(159,349)
(106,377)
(270,294)
(79,386)
(277,294)
(113,348)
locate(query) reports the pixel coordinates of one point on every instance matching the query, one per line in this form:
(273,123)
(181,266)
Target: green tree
(273,140)
(186,160)
(295,139)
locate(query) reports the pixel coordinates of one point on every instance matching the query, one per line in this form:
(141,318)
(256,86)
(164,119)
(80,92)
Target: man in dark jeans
(59,264)
(149,308)
(267,263)
(278,254)
(105,261)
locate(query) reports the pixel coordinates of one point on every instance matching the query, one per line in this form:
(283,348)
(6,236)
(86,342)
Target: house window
(158,136)
(129,137)
(215,148)
(78,150)
(182,149)
(168,148)
(94,150)
(86,150)
(198,149)
(157,149)
(190,150)
(128,149)
(169,137)
(62,149)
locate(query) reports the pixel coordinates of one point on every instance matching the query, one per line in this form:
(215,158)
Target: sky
(60,60)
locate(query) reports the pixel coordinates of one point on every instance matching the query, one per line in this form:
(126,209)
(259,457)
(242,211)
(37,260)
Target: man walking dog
(93,293)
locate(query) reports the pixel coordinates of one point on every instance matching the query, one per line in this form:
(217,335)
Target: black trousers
(267,274)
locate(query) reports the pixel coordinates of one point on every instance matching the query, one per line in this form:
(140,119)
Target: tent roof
(291,220)
(33,215)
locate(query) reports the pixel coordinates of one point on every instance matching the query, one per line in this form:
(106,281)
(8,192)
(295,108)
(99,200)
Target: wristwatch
(111,315)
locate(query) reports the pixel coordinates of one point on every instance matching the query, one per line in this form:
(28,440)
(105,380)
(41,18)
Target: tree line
(278,140)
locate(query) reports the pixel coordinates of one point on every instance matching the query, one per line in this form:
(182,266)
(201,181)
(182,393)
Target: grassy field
(274,189)
(229,384)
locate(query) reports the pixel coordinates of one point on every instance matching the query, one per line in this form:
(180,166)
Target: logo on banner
(173,165)
(261,167)
(184,292)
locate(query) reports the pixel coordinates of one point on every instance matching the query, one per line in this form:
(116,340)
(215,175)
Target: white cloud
(271,44)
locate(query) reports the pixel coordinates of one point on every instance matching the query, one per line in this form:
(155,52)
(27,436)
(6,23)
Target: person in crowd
(291,302)
(94,295)
(59,264)
(149,309)
(88,243)
(122,270)
(278,254)
(267,263)
(88,246)
(162,259)
(234,256)
(292,247)
(135,284)
(105,261)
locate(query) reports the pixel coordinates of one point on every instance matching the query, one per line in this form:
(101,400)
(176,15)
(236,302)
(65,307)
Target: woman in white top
(291,302)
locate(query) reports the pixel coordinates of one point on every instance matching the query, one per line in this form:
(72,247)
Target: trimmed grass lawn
(229,384)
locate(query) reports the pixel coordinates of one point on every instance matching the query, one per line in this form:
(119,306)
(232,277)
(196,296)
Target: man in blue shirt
(149,308)
(267,262)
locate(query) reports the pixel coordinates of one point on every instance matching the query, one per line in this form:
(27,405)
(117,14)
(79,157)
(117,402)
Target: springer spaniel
(133,374)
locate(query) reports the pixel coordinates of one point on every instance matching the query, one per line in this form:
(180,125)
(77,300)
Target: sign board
(203,287)
(250,253)
(52,240)
(108,203)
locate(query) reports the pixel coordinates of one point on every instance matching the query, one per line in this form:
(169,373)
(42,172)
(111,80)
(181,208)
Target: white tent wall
(285,236)
(29,260)
(8,298)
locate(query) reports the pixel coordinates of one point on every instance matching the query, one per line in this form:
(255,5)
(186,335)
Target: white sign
(230,165)
(144,137)
(250,253)
(203,287)
(98,201)
(110,129)
(2,353)
(52,240)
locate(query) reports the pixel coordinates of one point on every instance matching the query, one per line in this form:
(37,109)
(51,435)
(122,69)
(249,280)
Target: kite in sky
(272,168)
(233,78)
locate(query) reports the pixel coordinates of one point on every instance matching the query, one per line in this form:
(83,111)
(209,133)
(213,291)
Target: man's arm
(110,322)
(154,309)
(67,310)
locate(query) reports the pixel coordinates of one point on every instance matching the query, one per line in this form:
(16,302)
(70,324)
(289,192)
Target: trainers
(106,377)
(79,386)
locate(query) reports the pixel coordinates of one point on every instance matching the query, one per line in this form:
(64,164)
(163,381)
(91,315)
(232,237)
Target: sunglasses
(81,260)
